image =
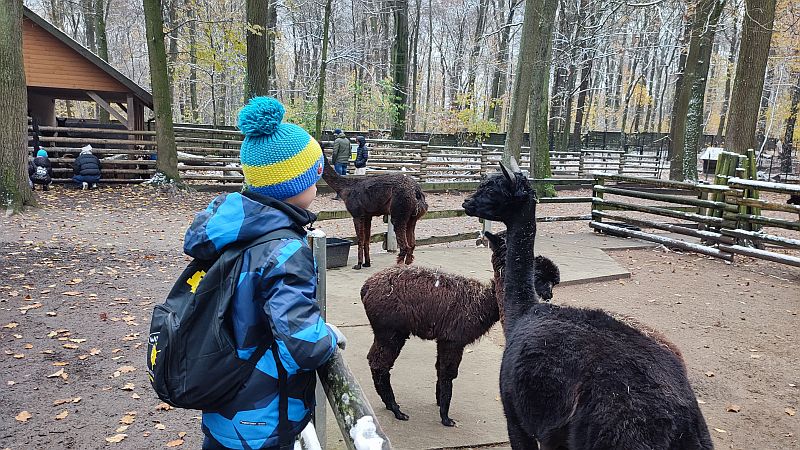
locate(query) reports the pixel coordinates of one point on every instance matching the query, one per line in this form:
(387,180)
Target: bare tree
(400,68)
(258,57)
(167,162)
(15,192)
(749,81)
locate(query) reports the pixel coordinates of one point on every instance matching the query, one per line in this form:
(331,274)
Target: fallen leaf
(60,363)
(126,369)
(70,346)
(11,325)
(160,426)
(175,443)
(78,341)
(19,356)
(181,434)
(790,411)
(28,346)
(57,374)
(94,351)
(23,416)
(127,419)
(128,387)
(720,430)
(62,415)
(61,401)
(734,408)
(116,438)
(73,282)
(709,374)
(163,407)
(122,428)
(73,294)
(135,396)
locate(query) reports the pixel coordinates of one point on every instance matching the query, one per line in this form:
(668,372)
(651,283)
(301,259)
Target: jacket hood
(361,140)
(234,218)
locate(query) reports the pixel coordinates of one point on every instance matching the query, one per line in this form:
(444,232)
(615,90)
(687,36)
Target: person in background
(341,152)
(40,171)
(86,169)
(362,154)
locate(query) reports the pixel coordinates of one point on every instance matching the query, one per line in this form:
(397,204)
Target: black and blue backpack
(192,360)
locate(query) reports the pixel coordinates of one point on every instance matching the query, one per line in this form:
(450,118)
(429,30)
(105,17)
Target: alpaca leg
(519,439)
(400,232)
(384,352)
(367,236)
(359,226)
(448,358)
(411,239)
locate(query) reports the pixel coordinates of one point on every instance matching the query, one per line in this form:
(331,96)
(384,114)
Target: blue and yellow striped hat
(278,159)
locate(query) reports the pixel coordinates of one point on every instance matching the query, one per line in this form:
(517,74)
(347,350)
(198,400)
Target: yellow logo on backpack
(194,281)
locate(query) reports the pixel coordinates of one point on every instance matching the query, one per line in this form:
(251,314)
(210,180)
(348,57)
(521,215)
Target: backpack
(192,360)
(41,173)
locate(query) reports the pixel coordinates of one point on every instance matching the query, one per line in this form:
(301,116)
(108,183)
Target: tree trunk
(581,106)
(523,83)
(400,68)
(728,78)
(704,26)
(15,192)
(477,40)
(88,9)
(172,46)
(500,78)
(791,121)
(428,79)
(102,45)
(415,67)
(678,117)
(167,163)
(544,19)
(749,80)
(323,67)
(190,11)
(257,48)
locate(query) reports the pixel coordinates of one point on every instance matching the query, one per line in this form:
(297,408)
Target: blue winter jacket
(276,293)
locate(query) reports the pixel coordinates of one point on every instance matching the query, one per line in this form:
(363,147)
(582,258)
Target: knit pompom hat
(278,159)
(41,152)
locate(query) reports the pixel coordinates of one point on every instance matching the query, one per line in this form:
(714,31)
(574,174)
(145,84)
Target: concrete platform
(476,406)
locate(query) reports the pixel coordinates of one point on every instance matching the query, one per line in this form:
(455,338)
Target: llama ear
(509,174)
(512,164)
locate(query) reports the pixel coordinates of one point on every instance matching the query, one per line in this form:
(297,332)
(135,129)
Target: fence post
(598,180)
(318,243)
(484,161)
(391,239)
(423,163)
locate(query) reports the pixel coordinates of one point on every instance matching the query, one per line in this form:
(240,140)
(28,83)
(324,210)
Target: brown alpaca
(365,197)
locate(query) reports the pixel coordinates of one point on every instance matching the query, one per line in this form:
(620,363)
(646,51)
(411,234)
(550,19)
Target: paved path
(476,406)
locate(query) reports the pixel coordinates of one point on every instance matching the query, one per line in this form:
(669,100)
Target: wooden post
(423,163)
(318,243)
(484,160)
(599,180)
(391,238)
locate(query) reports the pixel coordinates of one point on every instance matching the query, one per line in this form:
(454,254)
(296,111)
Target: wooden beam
(104,104)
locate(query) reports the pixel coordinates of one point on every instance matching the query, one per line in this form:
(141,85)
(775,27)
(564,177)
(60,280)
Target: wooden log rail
(697,223)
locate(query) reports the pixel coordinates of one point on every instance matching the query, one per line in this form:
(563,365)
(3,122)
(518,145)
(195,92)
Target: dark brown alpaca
(365,197)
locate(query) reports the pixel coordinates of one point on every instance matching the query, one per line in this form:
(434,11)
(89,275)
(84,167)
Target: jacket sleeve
(289,285)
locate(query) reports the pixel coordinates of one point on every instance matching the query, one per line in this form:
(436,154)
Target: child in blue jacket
(276,291)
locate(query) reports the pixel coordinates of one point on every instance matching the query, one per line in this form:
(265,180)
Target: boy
(40,171)
(276,286)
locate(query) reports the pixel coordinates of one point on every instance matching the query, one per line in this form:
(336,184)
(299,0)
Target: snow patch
(364,435)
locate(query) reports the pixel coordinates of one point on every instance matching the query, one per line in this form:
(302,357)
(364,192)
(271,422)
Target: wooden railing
(212,155)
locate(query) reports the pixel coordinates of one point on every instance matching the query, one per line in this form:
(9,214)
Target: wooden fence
(714,220)
(212,155)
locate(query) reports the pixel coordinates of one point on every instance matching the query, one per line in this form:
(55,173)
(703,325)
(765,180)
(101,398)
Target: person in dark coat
(362,154)
(40,171)
(86,169)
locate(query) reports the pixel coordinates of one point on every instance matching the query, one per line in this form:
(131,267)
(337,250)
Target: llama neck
(334,180)
(519,292)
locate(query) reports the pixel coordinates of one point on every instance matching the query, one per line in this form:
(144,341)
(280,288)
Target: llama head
(546,277)
(503,197)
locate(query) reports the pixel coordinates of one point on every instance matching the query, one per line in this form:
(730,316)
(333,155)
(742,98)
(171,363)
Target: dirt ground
(79,277)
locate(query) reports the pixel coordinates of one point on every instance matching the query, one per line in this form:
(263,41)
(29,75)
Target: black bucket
(336,252)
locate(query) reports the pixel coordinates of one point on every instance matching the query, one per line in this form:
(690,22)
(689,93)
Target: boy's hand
(341,340)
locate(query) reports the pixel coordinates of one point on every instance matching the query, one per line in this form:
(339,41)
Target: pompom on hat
(278,159)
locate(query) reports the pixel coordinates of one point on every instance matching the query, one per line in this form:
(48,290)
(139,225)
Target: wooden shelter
(58,67)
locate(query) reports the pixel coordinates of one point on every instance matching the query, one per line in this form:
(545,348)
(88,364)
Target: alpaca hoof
(448,422)
(399,415)
(366,264)
(358,267)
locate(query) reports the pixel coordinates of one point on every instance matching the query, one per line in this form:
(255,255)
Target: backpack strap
(285,439)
